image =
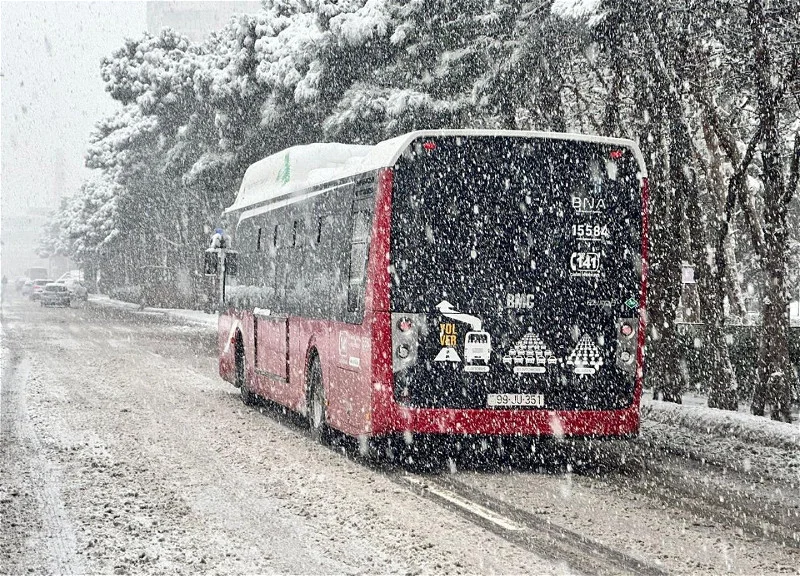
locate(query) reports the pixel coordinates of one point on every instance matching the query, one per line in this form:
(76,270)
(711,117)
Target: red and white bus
(451,282)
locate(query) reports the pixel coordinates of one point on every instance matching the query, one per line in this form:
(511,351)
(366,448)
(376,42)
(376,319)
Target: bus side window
(298,240)
(324,268)
(359,251)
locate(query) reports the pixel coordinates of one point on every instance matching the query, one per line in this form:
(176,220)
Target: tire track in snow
(525,529)
(21,443)
(715,492)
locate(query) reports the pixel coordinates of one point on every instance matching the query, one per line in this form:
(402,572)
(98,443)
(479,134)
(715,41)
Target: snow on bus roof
(291,171)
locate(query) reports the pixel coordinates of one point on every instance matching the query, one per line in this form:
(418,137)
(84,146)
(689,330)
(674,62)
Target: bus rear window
(492,223)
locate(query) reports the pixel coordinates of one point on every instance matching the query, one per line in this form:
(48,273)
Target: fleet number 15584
(593,231)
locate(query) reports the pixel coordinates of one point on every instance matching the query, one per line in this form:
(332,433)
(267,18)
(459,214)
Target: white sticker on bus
(529,355)
(588,204)
(586,357)
(585,264)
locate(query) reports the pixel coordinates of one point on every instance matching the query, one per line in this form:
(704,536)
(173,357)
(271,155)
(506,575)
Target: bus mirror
(231,263)
(210,263)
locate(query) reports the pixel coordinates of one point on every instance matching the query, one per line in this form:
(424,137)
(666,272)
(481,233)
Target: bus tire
(317,420)
(248,398)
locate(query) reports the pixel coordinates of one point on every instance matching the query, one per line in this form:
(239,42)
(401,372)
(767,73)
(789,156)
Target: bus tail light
(626,344)
(407,329)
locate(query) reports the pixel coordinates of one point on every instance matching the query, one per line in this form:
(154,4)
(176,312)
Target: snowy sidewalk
(193,316)
(724,423)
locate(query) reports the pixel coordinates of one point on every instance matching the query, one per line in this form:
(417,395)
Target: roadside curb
(195,317)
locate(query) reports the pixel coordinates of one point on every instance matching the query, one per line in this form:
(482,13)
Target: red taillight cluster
(407,329)
(626,345)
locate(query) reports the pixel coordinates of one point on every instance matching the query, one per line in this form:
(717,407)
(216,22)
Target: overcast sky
(52,95)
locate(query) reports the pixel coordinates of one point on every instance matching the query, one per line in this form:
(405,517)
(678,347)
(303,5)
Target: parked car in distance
(77,289)
(27,287)
(55,294)
(37,287)
(20,282)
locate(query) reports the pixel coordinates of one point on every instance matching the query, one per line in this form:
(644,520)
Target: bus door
(271,344)
(350,400)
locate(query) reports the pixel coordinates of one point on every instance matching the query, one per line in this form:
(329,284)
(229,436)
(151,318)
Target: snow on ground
(128,455)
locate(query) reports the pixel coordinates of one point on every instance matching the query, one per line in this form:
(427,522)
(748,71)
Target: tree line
(709,88)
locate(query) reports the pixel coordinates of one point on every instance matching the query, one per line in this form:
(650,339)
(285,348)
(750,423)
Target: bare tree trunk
(717,367)
(773,386)
(665,227)
(724,216)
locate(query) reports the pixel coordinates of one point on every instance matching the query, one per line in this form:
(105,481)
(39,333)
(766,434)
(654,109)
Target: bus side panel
(351,397)
(348,389)
(385,412)
(383,408)
(343,351)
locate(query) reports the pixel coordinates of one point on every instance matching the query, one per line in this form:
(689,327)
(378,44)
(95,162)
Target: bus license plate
(515,400)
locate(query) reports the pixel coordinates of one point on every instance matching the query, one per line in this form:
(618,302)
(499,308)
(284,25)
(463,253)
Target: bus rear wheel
(317,420)
(248,398)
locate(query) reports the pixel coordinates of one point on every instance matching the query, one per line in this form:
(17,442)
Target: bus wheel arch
(240,370)
(316,403)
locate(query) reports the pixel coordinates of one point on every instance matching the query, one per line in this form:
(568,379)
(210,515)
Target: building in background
(196,20)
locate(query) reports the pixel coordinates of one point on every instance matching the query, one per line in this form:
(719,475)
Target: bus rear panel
(516,284)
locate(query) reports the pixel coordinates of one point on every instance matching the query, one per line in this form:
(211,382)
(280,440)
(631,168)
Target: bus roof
(288,172)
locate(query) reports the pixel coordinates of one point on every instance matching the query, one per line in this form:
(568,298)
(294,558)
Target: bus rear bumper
(600,423)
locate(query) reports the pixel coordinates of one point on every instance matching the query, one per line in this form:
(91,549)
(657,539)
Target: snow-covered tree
(708,89)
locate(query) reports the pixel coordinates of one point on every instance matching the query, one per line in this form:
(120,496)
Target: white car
(37,287)
(55,294)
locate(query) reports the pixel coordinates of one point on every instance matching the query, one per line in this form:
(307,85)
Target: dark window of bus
(359,249)
(299,240)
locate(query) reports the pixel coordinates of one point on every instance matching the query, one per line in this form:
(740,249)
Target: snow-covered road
(123,452)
